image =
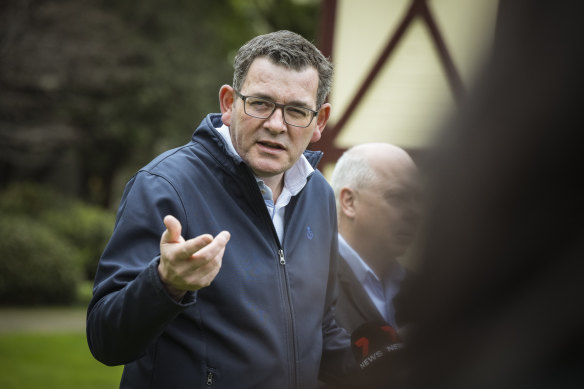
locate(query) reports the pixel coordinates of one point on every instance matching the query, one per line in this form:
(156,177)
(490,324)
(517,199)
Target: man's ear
(226,101)
(347,202)
(321,120)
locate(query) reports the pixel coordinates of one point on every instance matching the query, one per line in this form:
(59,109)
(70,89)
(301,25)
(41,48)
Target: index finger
(215,246)
(197,243)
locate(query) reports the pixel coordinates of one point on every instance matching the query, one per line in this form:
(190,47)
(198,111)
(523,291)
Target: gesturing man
(220,271)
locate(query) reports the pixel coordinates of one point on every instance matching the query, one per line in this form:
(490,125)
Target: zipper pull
(209,378)
(281,255)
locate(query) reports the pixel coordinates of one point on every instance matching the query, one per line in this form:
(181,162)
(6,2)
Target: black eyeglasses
(261,108)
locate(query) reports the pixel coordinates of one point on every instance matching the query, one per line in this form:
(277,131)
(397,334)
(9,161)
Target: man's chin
(398,248)
(270,169)
(266,173)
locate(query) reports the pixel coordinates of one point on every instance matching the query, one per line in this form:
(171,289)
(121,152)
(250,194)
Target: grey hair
(288,49)
(353,171)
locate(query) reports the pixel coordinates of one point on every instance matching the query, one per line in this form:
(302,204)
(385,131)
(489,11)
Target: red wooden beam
(417,8)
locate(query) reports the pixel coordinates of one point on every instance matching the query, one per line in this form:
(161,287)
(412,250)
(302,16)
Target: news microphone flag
(374,341)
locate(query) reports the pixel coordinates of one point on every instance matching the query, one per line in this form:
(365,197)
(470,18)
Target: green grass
(60,360)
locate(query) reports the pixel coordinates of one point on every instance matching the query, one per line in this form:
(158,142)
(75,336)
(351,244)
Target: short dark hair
(288,49)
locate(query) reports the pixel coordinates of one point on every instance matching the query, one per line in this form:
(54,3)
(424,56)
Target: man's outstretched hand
(192,264)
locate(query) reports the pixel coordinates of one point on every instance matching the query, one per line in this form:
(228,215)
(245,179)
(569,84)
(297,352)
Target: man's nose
(276,121)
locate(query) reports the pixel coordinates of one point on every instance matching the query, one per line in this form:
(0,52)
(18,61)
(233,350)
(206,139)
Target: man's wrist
(176,294)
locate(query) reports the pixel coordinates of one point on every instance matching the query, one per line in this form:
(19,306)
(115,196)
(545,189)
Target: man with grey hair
(377,191)
(221,268)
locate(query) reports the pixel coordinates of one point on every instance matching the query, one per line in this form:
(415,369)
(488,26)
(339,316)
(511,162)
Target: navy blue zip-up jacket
(266,321)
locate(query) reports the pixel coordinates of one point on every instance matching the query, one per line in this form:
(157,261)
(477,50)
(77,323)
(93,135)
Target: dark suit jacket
(354,307)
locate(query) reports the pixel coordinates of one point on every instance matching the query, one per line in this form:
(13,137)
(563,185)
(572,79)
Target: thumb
(173,230)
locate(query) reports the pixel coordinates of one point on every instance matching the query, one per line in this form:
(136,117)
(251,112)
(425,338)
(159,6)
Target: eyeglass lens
(262,109)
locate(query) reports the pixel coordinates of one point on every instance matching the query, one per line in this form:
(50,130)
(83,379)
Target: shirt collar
(294,178)
(360,268)
(224,131)
(355,262)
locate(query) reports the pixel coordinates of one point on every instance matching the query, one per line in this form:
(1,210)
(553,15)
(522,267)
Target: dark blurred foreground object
(499,301)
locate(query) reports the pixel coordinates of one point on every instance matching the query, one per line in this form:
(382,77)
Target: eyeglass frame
(277,105)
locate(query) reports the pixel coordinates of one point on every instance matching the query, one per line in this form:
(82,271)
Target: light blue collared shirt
(295,179)
(380,291)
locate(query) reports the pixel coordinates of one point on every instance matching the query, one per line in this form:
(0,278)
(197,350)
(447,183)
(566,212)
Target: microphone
(375,346)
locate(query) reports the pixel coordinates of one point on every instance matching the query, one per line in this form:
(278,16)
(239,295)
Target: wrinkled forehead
(266,79)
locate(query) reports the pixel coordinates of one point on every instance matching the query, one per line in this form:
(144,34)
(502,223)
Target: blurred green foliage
(50,243)
(86,227)
(93,90)
(36,265)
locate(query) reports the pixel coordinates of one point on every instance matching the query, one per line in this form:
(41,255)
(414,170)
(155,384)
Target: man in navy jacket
(220,271)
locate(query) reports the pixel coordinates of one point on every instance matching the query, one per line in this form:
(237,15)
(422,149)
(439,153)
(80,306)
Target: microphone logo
(374,341)
(362,343)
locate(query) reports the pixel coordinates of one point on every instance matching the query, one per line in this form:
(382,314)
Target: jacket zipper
(287,305)
(288,309)
(284,278)
(281,254)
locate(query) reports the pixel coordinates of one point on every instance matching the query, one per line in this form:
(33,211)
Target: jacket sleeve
(130,306)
